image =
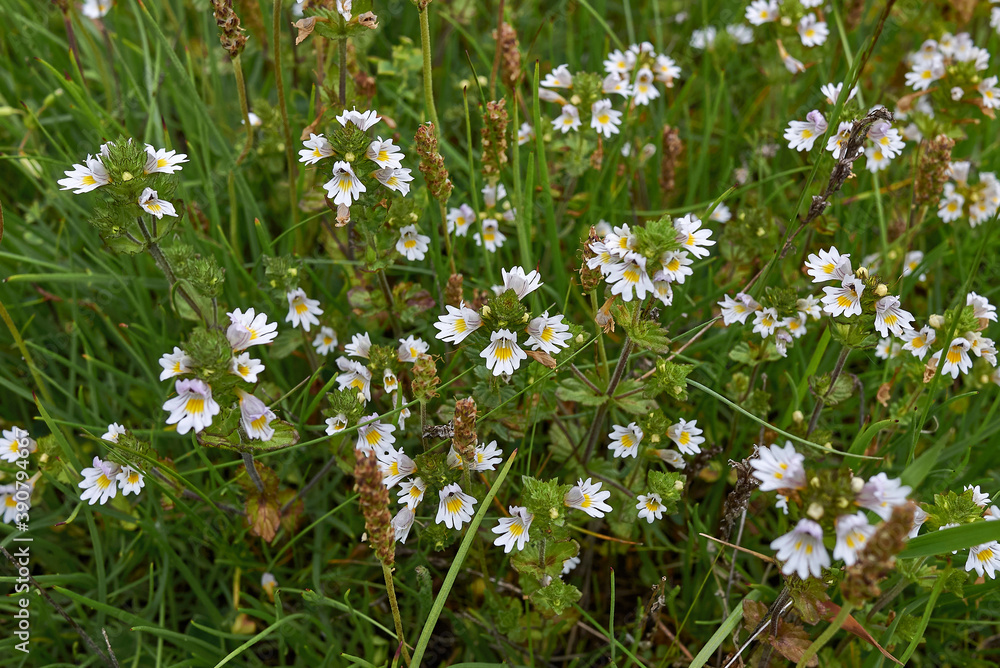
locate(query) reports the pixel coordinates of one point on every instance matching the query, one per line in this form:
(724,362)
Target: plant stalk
(837,369)
(391,591)
(425,48)
(164,265)
(252,471)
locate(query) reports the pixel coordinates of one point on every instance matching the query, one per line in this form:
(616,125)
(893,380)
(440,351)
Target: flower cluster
(102,481)
(808,26)
(211,361)
(505,316)
(952,64)
(952,510)
(884,142)
(978,202)
(775,321)
(822,500)
(624,256)
(686,435)
(361,164)
(15,499)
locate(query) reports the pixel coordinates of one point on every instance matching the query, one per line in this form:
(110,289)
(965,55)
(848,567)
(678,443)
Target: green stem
(602,410)
(837,369)
(602,355)
(425,48)
(456,566)
(276,24)
(241,90)
(164,265)
(391,591)
(342,47)
(252,472)
(447,239)
(825,637)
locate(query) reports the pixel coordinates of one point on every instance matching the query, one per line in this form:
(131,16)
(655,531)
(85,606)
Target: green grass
(166,575)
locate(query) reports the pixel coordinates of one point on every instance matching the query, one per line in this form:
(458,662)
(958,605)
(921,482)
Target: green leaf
(669,485)
(556,597)
(636,404)
(285,435)
(865,437)
(528,561)
(947,540)
(649,335)
(573,389)
(842,390)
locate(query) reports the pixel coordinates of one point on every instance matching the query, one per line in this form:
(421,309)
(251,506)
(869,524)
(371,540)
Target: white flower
(881,494)
(411,492)
(853,531)
(255,417)
(302,311)
(886,138)
(625,440)
(255,121)
(130,480)
(663,292)
(520,282)
(919,517)
(991,94)
(650,507)
(604,258)
(692,236)
(604,119)
(802,550)
(84,178)
(981,307)
(629,278)
(984,559)
(740,33)
(887,348)
(249,329)
(98,482)
(667,70)
(345,186)
(316,148)
(643,90)
(411,244)
(503,355)
(457,323)
(618,62)
(153,205)
(569,565)
(459,219)
(394,464)
(616,83)
(384,153)
(812,31)
(455,507)
(809,305)
(760,12)
(779,468)
(765,321)
(918,341)
(548,334)
(95,9)
(325,341)
(957,359)
(560,77)
(491,237)
(981,499)
(587,496)
(687,436)
(513,530)
(911,262)
(671,457)
(845,300)
(160,160)
(374,435)
(838,142)
(402,523)
(568,120)
(721,214)
(832,92)
(877,160)
(359,346)
(802,135)
(175,363)
(925,73)
(13,442)
(704,38)
(362,120)
(246,367)
(336,424)
(390,382)
(486,457)
(193,407)
(738,309)
(525,134)
(951,205)
(355,376)
(395,178)
(889,317)
(674,266)
(344,9)
(411,349)
(992,513)
(114,431)
(828,265)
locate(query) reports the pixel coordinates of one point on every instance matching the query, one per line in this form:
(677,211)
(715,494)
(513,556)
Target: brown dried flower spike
(374,502)
(230,33)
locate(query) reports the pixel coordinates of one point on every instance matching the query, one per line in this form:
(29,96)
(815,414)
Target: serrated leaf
(842,390)
(556,597)
(573,389)
(650,336)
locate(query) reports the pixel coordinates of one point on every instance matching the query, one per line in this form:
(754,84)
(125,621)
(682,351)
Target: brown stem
(252,471)
(164,265)
(602,410)
(837,369)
